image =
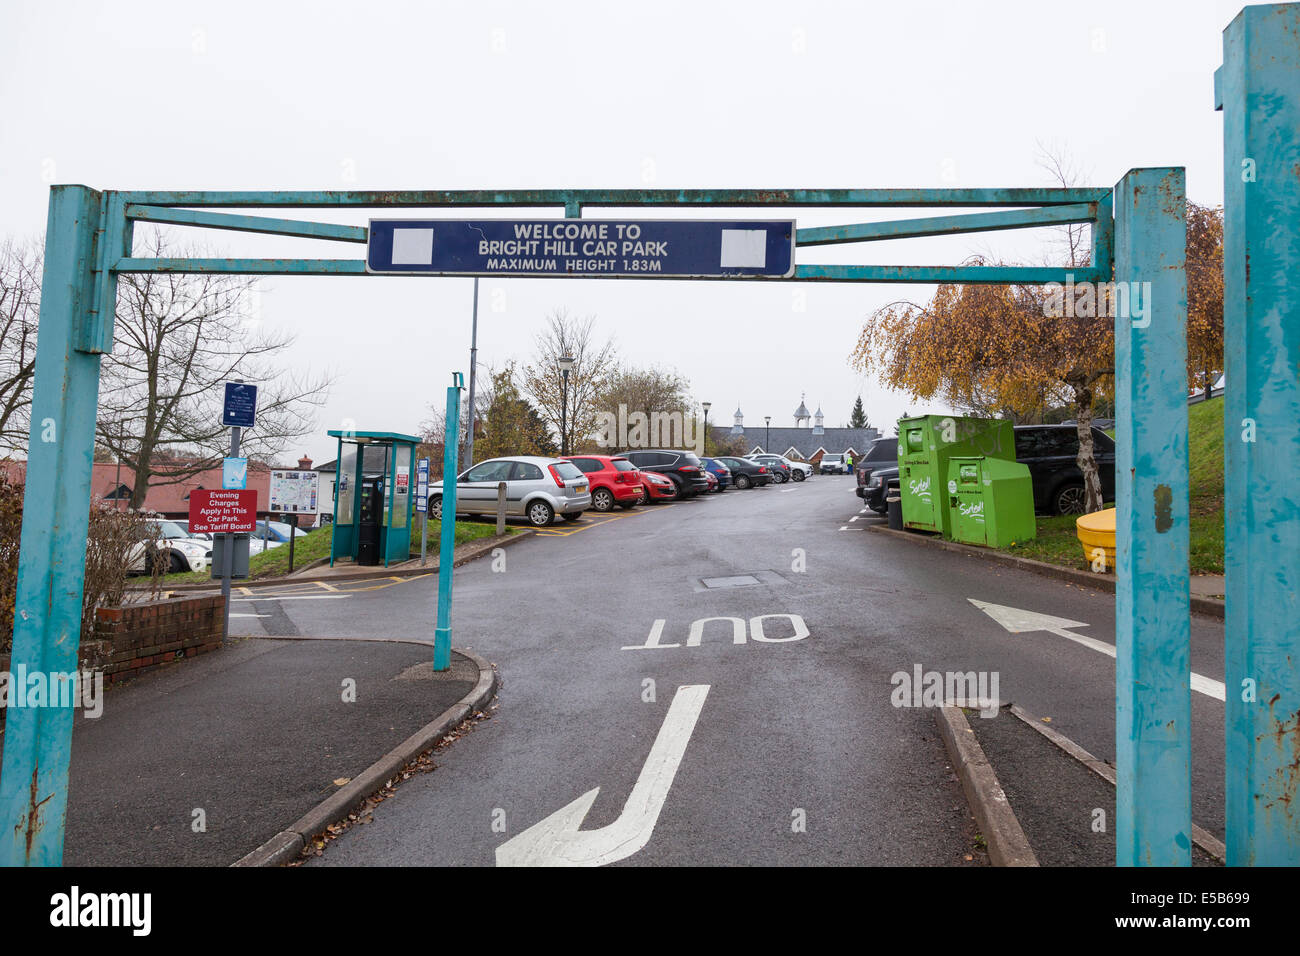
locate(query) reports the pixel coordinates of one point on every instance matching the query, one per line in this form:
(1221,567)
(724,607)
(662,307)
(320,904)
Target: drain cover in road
(735,581)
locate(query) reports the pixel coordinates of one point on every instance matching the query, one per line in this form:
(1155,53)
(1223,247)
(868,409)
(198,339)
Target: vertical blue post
(1258,89)
(1153,705)
(447,538)
(78,296)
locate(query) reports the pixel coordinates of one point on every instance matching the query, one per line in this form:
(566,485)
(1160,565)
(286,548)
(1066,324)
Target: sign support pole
(76,326)
(1257,88)
(447,543)
(1153,695)
(228,552)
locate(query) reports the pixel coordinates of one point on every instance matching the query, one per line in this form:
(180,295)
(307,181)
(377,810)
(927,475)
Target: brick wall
(137,638)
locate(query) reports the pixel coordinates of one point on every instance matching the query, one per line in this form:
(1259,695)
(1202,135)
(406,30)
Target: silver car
(536,488)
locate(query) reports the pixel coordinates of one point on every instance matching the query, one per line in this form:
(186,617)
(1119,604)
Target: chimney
(304,463)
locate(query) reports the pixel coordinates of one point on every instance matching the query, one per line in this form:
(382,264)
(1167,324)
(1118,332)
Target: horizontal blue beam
(577,198)
(218,220)
(948,225)
(982,275)
(282,267)
(988,275)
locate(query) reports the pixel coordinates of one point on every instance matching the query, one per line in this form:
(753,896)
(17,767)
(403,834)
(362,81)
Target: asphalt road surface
(746,742)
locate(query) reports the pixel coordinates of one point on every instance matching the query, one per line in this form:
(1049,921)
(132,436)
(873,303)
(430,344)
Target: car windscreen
(690,458)
(883,449)
(567,470)
(622,464)
(170,529)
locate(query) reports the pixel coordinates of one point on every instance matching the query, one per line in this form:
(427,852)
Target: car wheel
(743,481)
(540,514)
(1069,500)
(602,500)
(798,475)
(435,507)
(176,564)
(645,497)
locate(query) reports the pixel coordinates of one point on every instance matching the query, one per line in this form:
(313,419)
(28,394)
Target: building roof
(806,441)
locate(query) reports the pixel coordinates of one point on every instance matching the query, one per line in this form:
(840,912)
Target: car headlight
(873,482)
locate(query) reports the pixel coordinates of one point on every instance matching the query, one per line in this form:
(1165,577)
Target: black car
(882,453)
(1052,452)
(880,485)
(683,467)
(746,473)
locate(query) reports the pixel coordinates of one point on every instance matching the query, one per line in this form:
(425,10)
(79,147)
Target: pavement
(199,763)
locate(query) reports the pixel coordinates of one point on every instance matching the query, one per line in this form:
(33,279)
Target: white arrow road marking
(1017,621)
(557,841)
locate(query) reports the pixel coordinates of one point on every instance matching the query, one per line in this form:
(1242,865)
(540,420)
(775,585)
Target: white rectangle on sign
(412,247)
(744,248)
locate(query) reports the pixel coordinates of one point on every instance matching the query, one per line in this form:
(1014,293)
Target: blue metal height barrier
(88,244)
(1258,89)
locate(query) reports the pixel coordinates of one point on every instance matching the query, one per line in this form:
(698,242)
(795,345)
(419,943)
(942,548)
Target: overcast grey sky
(374,95)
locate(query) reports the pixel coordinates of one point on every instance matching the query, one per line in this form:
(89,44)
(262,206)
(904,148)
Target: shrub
(111,542)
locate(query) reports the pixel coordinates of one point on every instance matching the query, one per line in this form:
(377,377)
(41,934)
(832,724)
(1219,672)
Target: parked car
(536,488)
(779,464)
(775,464)
(882,453)
(276,531)
(718,470)
(614,480)
(655,487)
(746,473)
(173,545)
(1052,452)
(832,465)
(882,483)
(712,479)
(683,468)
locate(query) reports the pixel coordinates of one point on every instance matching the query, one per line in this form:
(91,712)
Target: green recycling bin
(990,501)
(925,445)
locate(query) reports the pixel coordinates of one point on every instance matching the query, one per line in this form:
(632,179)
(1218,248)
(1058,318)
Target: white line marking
(557,841)
(1017,621)
(298,597)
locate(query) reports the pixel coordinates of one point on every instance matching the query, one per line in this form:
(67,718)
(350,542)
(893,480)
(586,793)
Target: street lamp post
(706,406)
(566,364)
(767,441)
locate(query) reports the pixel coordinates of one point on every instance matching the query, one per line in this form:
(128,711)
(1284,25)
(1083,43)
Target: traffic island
(1062,796)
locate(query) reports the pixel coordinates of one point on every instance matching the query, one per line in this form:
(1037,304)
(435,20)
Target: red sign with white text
(223,512)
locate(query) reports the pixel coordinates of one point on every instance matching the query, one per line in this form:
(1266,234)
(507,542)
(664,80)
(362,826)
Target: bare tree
(593,363)
(178,338)
(20,297)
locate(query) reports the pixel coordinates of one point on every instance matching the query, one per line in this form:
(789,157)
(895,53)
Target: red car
(614,480)
(657,488)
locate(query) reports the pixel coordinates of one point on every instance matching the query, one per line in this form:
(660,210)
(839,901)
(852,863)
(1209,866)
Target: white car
(176,547)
